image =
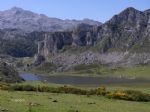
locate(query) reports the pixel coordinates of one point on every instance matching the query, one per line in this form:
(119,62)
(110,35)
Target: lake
(80,80)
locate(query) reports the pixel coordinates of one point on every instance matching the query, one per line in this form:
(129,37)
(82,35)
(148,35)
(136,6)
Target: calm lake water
(78,80)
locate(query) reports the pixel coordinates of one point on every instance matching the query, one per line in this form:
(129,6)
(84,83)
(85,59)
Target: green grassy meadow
(53,102)
(25,101)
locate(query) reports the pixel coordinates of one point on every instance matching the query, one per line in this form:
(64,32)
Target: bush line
(128,95)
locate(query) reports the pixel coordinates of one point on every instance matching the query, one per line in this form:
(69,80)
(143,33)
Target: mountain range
(124,40)
(17,18)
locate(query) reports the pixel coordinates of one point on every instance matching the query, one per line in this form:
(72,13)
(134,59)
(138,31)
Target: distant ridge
(18,18)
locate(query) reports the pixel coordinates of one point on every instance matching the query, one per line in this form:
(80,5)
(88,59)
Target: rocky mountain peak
(13,11)
(16,9)
(19,13)
(129,17)
(18,18)
(128,12)
(130,9)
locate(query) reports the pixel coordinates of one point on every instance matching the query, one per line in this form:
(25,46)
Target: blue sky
(100,10)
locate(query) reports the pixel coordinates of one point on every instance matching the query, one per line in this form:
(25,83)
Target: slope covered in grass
(103,70)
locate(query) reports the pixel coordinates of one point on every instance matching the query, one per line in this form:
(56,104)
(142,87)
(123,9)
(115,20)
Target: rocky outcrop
(83,35)
(54,42)
(8,73)
(115,42)
(125,31)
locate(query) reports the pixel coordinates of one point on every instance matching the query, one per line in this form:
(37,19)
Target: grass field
(18,101)
(99,70)
(52,102)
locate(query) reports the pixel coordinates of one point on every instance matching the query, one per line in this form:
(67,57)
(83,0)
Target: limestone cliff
(83,35)
(123,37)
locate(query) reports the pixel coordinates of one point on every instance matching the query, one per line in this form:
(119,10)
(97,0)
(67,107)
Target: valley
(54,65)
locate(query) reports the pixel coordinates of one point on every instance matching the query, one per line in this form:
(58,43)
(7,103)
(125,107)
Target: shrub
(72,90)
(98,91)
(118,95)
(43,89)
(4,87)
(101,91)
(39,88)
(129,95)
(22,88)
(137,96)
